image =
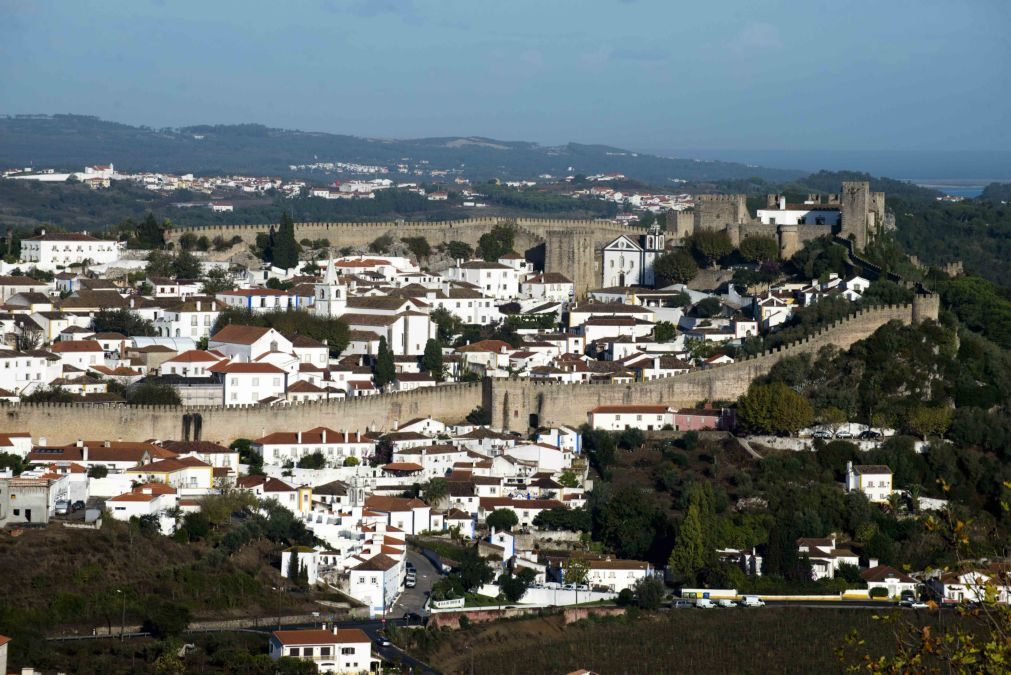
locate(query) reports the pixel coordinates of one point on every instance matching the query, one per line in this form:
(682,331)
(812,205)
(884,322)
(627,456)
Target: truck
(704,603)
(752,601)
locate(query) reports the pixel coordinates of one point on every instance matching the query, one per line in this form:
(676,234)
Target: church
(630,263)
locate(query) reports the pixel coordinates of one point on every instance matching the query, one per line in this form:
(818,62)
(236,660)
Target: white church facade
(628,262)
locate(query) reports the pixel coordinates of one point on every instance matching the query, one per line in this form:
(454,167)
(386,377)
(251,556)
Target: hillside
(75,140)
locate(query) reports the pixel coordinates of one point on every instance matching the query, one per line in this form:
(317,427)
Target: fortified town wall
(514,403)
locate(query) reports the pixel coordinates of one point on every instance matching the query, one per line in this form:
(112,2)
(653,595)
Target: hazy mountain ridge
(71,141)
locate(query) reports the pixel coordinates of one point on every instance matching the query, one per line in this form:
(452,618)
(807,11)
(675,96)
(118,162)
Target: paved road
(413,599)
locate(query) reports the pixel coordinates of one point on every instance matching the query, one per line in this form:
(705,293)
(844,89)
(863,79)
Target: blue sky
(649,75)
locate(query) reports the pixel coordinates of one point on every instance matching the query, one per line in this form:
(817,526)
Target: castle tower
(331,296)
(856,211)
(789,241)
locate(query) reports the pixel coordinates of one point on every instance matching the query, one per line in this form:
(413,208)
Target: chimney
(198,305)
(106,444)
(872,562)
(782,202)
(84,454)
(298,437)
(324,435)
(358,436)
(42,441)
(345,437)
(79,443)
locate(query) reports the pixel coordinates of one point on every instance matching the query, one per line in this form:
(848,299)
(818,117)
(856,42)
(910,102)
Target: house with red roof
(631,416)
(335,650)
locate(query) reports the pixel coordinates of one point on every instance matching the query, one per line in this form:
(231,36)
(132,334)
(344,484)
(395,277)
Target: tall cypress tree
(284,252)
(386,372)
(149,233)
(432,360)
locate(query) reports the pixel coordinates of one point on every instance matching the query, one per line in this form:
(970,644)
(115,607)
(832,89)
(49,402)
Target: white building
(59,250)
(250,383)
(630,263)
(808,213)
(616,575)
(874,480)
(493,279)
(825,557)
(340,650)
(152,499)
(376,583)
(621,417)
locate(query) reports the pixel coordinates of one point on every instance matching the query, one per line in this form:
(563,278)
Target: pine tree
(386,372)
(432,360)
(149,233)
(284,252)
(688,556)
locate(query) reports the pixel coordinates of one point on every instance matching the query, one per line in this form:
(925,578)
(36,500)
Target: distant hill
(996,192)
(70,141)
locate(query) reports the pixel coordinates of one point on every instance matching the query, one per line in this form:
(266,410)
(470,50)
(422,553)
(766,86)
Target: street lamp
(277,605)
(122,617)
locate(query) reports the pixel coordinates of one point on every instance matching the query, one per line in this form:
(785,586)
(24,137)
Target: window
(294,651)
(256,382)
(347,651)
(307,651)
(324,651)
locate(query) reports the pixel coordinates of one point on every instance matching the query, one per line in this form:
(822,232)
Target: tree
(502,520)
(152,393)
(568,479)
(217,280)
(649,593)
(664,331)
(284,250)
(98,471)
(418,246)
(707,307)
(479,416)
(474,571)
(759,249)
(351,461)
(515,587)
(773,409)
(381,244)
(28,338)
(124,322)
(166,619)
(386,371)
(432,360)
(495,244)
(925,421)
(689,554)
(676,267)
(709,246)
(159,264)
(314,460)
(448,325)
(186,266)
(459,250)
(435,490)
(150,234)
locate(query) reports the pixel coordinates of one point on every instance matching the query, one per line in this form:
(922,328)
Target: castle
(575,248)
(856,214)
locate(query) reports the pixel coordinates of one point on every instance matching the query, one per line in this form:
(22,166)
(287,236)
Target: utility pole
(277,606)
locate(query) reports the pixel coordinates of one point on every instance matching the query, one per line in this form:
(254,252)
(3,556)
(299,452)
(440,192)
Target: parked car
(705,603)
(752,601)
(822,433)
(62,507)
(919,604)
(681,604)
(410,567)
(870,435)
(78,506)
(413,617)
(726,602)
(844,433)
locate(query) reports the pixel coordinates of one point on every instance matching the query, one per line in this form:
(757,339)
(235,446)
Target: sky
(666,75)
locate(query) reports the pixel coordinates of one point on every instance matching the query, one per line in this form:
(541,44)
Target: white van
(704,603)
(752,601)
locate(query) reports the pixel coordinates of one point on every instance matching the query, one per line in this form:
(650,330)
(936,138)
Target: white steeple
(330,295)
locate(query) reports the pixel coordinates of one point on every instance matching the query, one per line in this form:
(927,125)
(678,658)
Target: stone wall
(518,403)
(514,403)
(572,246)
(67,422)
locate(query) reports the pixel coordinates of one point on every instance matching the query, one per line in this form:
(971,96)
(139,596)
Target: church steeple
(330,295)
(655,237)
